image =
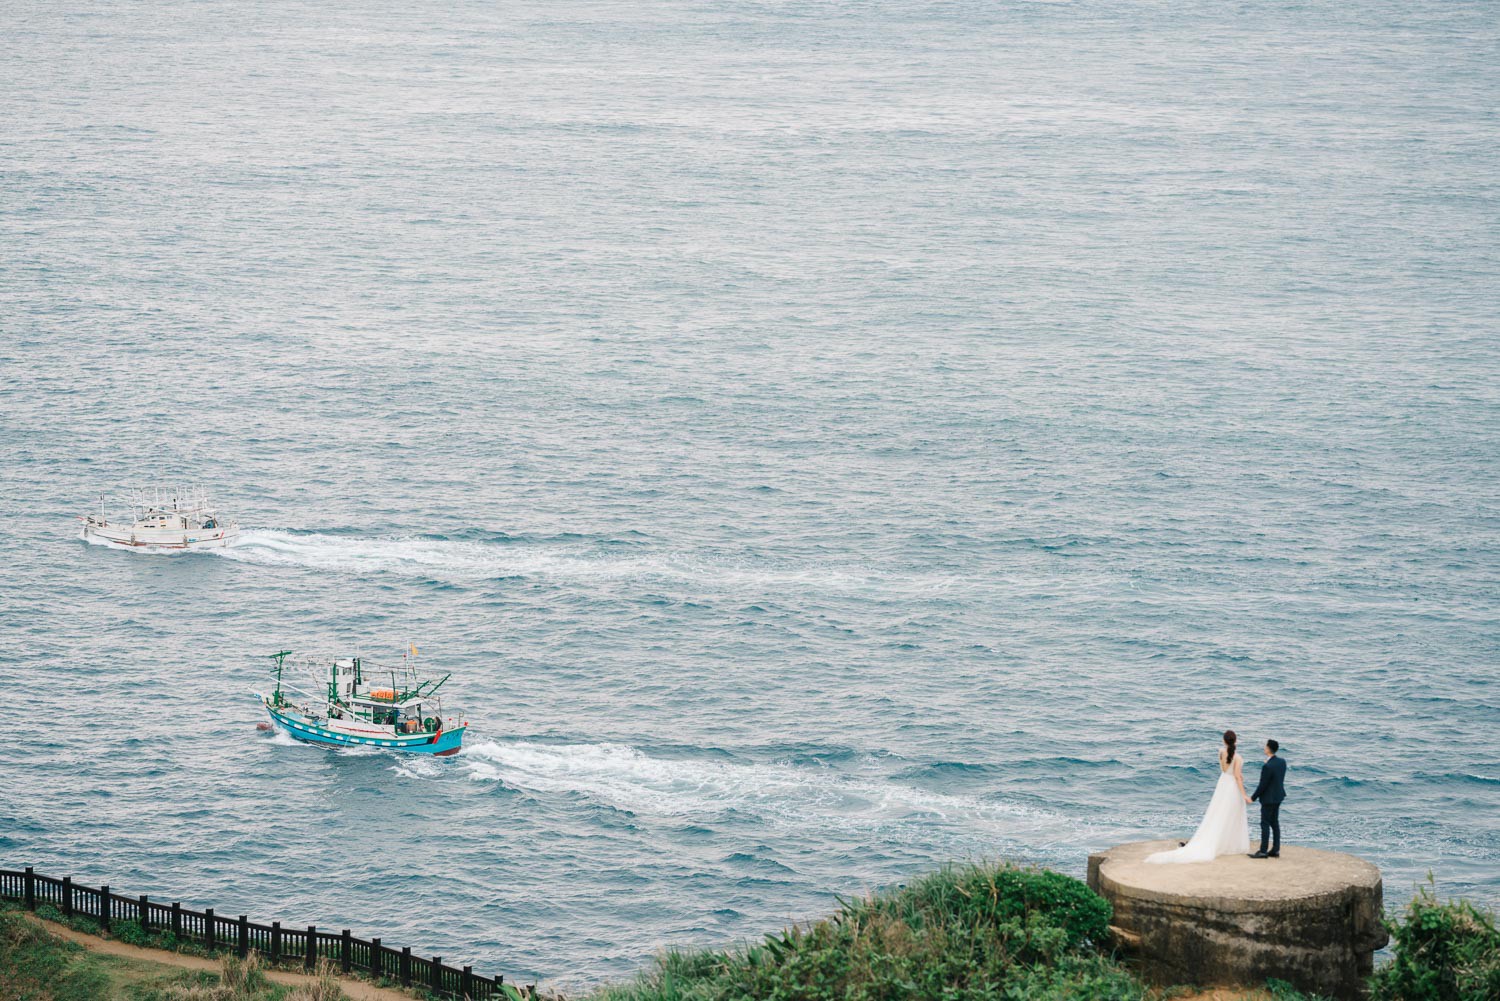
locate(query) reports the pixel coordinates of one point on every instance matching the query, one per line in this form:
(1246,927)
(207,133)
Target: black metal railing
(216,932)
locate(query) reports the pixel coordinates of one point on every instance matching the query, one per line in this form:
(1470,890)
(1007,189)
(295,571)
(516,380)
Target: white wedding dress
(1223,829)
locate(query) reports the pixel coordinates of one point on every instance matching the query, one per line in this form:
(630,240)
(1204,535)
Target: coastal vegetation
(964,933)
(1004,933)
(959,934)
(1444,952)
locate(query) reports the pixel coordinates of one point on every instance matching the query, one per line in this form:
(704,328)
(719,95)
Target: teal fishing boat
(358,703)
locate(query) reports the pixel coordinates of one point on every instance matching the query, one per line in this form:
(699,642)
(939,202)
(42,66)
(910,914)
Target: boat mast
(279,658)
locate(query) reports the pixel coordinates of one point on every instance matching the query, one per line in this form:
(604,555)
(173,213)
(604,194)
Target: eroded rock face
(1311,918)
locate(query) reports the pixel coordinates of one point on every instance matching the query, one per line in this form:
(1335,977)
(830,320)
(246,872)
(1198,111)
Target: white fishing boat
(163,520)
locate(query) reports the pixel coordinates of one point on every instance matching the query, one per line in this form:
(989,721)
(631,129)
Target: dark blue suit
(1270,791)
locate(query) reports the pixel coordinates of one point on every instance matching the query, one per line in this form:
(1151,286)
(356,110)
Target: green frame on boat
(363,706)
(279,658)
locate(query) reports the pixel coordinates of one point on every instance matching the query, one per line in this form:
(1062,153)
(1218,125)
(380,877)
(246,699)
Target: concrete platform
(1311,918)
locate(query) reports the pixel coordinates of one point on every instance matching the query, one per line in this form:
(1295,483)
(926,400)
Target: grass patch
(245,980)
(36,965)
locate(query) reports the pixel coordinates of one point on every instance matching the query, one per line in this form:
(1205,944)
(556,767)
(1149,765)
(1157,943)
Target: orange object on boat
(389,694)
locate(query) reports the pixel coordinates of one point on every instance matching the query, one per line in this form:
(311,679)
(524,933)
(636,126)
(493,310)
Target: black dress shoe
(1259,855)
(1273,855)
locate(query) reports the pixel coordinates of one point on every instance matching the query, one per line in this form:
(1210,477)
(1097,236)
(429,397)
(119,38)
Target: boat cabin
(353,697)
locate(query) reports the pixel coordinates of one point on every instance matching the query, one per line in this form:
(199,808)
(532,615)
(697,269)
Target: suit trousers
(1270,825)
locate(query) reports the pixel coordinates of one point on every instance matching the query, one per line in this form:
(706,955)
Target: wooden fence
(238,934)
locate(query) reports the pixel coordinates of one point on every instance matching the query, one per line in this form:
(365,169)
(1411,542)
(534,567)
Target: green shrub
(961,934)
(1280,990)
(130,932)
(1011,893)
(86,925)
(1444,952)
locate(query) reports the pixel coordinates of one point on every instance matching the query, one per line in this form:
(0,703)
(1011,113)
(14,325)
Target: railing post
(143,913)
(67,895)
(377,958)
(435,979)
(210,933)
(406,966)
(311,959)
(466,982)
(30,891)
(104,907)
(176,920)
(275,942)
(346,952)
(244,948)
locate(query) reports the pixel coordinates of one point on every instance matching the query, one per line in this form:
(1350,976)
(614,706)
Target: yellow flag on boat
(413,648)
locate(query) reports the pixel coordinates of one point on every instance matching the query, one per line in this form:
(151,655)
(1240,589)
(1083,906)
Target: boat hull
(297,726)
(161,540)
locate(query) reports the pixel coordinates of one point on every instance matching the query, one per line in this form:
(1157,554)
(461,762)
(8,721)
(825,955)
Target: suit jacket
(1270,789)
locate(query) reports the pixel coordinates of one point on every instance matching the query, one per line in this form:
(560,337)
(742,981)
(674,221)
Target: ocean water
(823,441)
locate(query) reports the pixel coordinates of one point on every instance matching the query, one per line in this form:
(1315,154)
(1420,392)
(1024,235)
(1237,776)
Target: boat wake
(462,561)
(281,738)
(789,796)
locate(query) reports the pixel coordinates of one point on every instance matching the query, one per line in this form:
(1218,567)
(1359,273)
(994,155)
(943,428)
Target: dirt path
(358,990)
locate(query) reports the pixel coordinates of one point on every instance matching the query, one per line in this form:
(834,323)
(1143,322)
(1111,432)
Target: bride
(1223,828)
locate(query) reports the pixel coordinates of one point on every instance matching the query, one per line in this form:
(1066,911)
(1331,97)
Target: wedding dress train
(1222,831)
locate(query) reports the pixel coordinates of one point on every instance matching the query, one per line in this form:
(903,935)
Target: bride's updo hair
(1229,741)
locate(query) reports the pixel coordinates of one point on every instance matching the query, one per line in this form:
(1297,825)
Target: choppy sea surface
(823,441)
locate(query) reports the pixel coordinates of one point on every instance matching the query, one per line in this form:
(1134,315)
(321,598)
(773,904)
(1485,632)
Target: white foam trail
(284,739)
(627,779)
(468,561)
(354,750)
(417,766)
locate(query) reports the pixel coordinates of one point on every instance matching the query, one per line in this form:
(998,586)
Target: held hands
(1248,800)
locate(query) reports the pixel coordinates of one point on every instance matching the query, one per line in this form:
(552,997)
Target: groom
(1270,792)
